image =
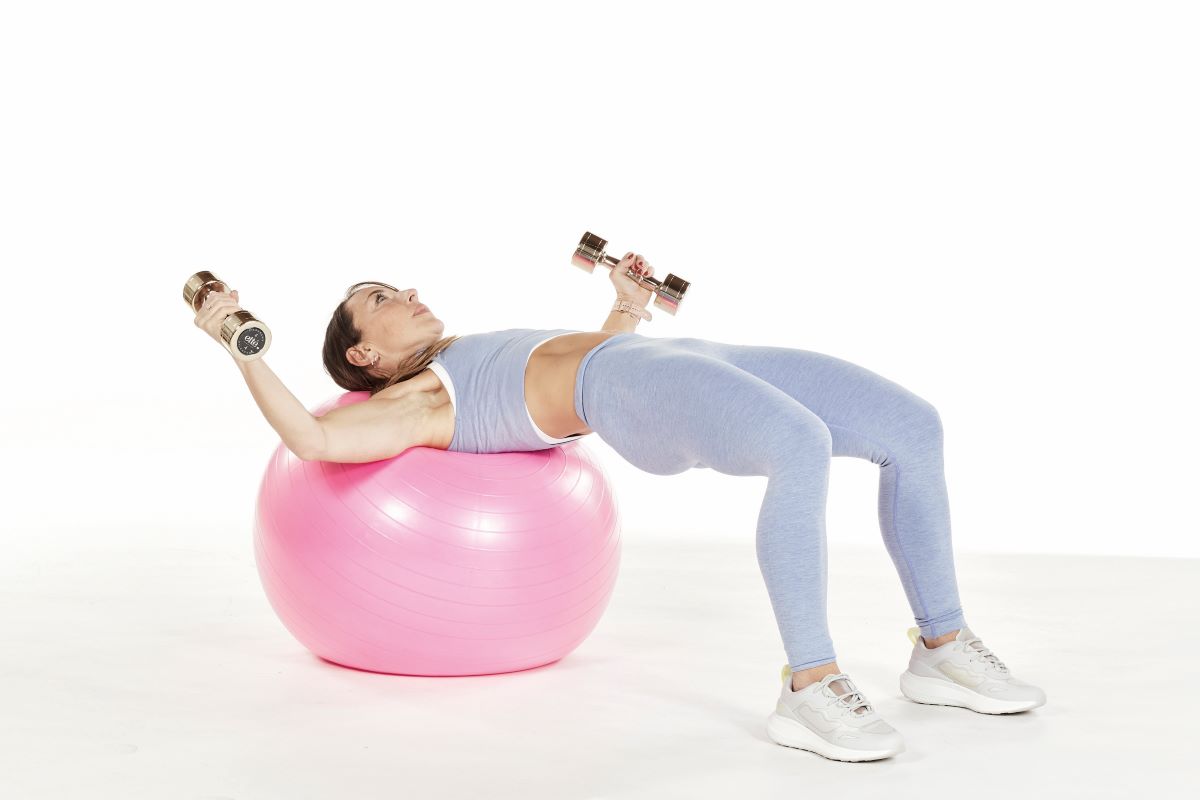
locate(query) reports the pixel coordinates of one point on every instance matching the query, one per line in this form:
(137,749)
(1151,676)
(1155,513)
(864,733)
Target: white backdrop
(995,206)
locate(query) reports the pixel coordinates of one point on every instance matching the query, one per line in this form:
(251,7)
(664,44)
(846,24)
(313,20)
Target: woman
(668,405)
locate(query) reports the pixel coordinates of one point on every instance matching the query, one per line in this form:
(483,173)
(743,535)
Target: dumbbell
(668,293)
(244,336)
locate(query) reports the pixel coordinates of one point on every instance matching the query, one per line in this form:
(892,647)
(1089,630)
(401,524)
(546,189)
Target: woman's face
(394,325)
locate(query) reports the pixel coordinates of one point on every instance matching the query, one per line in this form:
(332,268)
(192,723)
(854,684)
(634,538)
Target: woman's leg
(666,410)
(876,419)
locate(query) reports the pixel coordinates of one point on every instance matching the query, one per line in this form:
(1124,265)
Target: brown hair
(341,335)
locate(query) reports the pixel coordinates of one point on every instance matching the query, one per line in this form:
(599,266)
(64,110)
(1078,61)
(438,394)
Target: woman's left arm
(621,321)
(628,290)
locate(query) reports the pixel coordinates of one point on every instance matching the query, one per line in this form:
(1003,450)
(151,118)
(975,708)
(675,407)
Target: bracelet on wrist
(631,308)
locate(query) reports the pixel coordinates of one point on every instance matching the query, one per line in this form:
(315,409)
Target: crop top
(484,373)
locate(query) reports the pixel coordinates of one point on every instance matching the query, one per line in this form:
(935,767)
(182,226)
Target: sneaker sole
(937,692)
(790,733)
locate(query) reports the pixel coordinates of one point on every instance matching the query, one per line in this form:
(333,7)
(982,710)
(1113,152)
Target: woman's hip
(667,408)
(867,415)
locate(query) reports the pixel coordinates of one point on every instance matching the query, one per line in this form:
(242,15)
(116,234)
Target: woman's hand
(216,307)
(627,288)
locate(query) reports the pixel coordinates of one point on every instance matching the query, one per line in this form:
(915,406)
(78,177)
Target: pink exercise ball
(436,562)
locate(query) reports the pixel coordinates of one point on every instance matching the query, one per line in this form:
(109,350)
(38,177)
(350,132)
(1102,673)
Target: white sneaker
(831,718)
(962,672)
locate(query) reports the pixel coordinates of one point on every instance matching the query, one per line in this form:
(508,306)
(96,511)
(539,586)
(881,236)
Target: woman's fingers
(213,311)
(637,263)
(214,305)
(211,305)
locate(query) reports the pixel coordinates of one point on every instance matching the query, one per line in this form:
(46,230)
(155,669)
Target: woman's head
(379,336)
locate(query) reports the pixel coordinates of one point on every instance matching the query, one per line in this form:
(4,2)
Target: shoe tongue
(965,634)
(840,687)
(976,646)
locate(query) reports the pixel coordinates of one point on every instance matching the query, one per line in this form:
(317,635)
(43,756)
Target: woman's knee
(917,428)
(928,420)
(801,435)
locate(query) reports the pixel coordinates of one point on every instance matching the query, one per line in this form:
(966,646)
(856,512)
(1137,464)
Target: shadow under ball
(246,337)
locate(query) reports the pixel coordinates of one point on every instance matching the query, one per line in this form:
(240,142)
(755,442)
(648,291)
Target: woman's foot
(831,717)
(964,673)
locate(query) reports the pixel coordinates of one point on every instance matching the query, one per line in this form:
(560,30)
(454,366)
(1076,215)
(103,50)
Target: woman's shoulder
(513,333)
(423,381)
(422,399)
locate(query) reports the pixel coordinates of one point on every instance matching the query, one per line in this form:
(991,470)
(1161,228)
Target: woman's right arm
(381,427)
(295,424)
(298,427)
(372,430)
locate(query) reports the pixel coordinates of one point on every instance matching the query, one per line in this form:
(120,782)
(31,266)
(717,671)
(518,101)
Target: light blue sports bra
(484,373)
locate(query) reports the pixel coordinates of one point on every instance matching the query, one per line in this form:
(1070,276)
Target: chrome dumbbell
(668,293)
(244,336)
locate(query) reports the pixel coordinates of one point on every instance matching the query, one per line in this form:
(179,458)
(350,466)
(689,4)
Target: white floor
(160,671)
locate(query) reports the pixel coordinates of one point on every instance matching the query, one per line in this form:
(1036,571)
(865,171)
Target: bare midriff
(549,389)
(550,381)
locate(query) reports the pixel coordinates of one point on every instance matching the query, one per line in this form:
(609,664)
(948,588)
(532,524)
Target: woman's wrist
(635,307)
(622,321)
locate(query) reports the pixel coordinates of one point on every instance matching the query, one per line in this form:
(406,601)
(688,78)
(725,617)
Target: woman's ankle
(938,641)
(803,677)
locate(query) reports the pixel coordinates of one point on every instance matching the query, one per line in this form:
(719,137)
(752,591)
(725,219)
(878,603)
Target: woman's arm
(380,427)
(295,424)
(628,289)
(620,321)
(385,425)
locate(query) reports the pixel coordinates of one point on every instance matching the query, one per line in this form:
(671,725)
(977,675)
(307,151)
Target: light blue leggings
(667,405)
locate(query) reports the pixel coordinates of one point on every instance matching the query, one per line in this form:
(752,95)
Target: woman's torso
(549,391)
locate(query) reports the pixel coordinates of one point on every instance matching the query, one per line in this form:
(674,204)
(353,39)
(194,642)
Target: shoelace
(852,699)
(975,647)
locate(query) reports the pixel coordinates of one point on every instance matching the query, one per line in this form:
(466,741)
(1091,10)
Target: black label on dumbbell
(251,341)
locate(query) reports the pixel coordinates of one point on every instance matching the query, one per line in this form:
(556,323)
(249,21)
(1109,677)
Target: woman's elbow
(305,454)
(356,451)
